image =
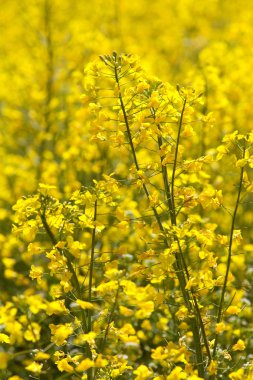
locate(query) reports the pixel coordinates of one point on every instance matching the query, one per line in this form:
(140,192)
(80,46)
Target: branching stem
(74,278)
(178,267)
(172,212)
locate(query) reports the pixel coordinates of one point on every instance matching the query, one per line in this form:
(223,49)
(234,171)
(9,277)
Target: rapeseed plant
(125,207)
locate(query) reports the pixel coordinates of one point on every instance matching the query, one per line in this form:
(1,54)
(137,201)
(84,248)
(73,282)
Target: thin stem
(69,264)
(110,320)
(179,270)
(132,145)
(180,124)
(49,69)
(74,278)
(92,254)
(165,177)
(171,207)
(224,287)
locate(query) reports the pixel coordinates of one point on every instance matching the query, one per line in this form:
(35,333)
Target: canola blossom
(126,184)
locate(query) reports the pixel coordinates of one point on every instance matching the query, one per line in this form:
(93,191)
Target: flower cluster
(125,202)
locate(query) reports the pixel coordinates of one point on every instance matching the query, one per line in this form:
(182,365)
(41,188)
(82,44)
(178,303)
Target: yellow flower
(239,346)
(32,333)
(191,283)
(146,308)
(57,307)
(146,325)
(55,291)
(34,367)
(85,305)
(220,327)
(59,355)
(86,221)
(127,329)
(242,162)
(41,356)
(140,334)
(60,333)
(232,310)
(45,189)
(142,86)
(89,338)
(36,303)
(237,375)
(29,232)
(63,365)
(160,353)
(176,374)
(142,372)
(84,365)
(182,313)
(36,272)
(154,100)
(212,368)
(4,338)
(125,311)
(101,362)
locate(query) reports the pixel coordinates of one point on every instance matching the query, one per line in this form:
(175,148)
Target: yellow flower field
(126,181)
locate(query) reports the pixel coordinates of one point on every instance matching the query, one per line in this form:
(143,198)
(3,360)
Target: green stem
(171,207)
(179,270)
(49,69)
(74,278)
(109,320)
(132,146)
(195,302)
(224,287)
(180,124)
(165,178)
(69,263)
(92,254)
(174,222)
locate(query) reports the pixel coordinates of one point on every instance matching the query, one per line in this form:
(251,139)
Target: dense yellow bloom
(137,228)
